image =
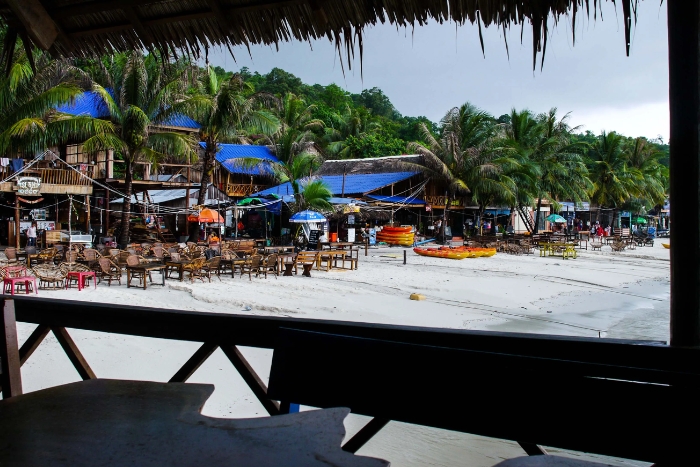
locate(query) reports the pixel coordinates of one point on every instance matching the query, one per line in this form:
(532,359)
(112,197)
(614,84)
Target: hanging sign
(28,186)
(428,207)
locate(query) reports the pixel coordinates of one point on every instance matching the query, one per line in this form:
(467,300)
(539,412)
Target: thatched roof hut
(93,27)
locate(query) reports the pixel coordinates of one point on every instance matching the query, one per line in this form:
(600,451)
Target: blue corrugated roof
(228,153)
(354,184)
(89,103)
(397,199)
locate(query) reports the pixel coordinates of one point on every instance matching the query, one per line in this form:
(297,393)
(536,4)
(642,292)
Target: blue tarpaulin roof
(397,199)
(89,103)
(228,153)
(354,184)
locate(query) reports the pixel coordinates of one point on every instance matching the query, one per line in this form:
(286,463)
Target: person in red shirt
(599,231)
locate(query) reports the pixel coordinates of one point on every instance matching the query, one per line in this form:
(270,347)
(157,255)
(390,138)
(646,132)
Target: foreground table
(109,422)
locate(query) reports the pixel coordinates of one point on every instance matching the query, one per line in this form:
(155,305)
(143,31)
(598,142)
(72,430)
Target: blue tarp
(229,153)
(90,103)
(397,199)
(353,185)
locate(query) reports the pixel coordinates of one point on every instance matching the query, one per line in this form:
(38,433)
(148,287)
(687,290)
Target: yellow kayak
(667,245)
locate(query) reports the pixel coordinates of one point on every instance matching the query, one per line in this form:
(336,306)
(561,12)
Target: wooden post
(684,100)
(404,256)
(17,214)
(107,213)
(87,214)
(11,377)
(366,245)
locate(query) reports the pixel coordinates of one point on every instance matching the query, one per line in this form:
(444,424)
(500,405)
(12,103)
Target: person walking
(31,235)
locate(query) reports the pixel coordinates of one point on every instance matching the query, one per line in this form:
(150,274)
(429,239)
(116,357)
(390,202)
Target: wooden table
(233,262)
(110,422)
(331,258)
(179,265)
(277,249)
(145,267)
(568,250)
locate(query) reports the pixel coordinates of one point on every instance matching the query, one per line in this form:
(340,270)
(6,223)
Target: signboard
(38,214)
(314,236)
(428,207)
(351,220)
(28,186)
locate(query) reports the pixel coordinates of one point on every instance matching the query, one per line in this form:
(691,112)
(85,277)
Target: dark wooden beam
(11,377)
(251,378)
(684,100)
(195,361)
(73,353)
(367,432)
(36,21)
(31,344)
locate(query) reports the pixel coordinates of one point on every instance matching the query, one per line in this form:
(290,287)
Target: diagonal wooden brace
(251,378)
(73,353)
(195,361)
(11,378)
(365,434)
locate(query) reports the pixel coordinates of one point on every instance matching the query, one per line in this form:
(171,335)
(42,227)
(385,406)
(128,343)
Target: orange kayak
(456,253)
(397,230)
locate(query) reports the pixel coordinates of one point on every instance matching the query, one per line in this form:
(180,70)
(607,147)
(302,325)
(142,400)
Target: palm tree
(136,93)
(296,134)
(544,143)
(645,161)
(613,181)
(466,158)
(230,112)
(29,96)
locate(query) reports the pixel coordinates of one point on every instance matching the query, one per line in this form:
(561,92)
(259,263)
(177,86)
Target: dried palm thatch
(94,27)
(372,165)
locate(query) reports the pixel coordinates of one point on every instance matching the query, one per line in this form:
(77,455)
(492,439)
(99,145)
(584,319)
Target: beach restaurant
(630,399)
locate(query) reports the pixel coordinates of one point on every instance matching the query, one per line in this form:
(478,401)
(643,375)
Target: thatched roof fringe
(95,27)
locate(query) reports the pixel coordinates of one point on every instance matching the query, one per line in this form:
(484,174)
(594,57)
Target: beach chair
(270,265)
(212,266)
(195,269)
(252,265)
(108,271)
(596,244)
(50,277)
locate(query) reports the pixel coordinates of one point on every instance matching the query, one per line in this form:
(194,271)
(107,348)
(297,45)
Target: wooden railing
(242,189)
(56,176)
(606,396)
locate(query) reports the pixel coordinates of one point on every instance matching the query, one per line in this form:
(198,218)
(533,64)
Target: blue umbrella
(307,217)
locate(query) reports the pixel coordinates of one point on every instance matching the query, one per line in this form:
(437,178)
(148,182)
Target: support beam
(17,216)
(73,353)
(31,344)
(11,378)
(251,378)
(684,100)
(36,21)
(365,434)
(195,361)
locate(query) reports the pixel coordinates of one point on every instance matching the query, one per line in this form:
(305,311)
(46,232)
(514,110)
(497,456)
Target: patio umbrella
(641,220)
(556,218)
(307,217)
(206,216)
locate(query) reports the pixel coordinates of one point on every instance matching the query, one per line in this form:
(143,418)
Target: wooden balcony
(54,181)
(243,189)
(605,396)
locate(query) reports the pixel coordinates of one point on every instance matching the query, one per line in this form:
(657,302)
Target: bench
(307,259)
(616,398)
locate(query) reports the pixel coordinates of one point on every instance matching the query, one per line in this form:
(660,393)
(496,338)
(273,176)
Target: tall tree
(137,93)
(231,110)
(613,181)
(29,96)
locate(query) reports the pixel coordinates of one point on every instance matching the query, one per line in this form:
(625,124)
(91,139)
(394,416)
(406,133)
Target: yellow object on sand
(667,245)
(417,296)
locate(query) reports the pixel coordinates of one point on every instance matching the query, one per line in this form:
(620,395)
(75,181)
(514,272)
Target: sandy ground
(600,294)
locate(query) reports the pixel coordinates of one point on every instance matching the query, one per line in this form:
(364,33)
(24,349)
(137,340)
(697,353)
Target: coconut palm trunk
(126,207)
(537,215)
(208,165)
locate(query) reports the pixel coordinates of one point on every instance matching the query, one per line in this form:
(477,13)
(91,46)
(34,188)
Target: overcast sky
(428,70)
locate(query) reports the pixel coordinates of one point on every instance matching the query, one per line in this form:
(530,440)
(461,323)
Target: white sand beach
(599,294)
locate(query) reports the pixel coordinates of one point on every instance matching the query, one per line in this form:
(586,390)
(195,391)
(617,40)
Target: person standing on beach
(31,235)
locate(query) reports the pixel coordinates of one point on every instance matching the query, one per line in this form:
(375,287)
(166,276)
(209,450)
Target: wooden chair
(596,244)
(270,265)
(212,266)
(134,260)
(109,271)
(47,256)
(11,254)
(252,265)
(91,256)
(195,269)
(158,252)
